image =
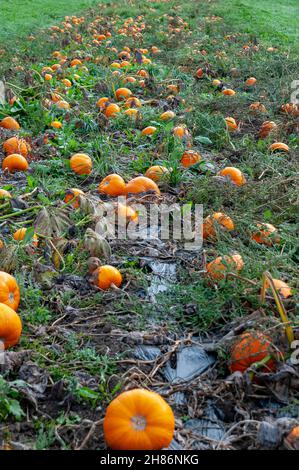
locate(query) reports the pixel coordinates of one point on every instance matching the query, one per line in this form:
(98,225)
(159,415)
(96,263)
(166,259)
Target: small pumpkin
(189,158)
(150,130)
(73,195)
(133,102)
(10,123)
(56,124)
(15,162)
(231,123)
(228,92)
(249,348)
(10,326)
(9,290)
(266,235)
(279,146)
(102,103)
(141,184)
(234,174)
(126,212)
(4,194)
(199,73)
(20,234)
(106,276)
(266,128)
(112,185)
(81,164)
(220,266)
(251,81)
(167,115)
(111,110)
(156,172)
(292,439)
(138,420)
(16,145)
(221,220)
(122,94)
(284,290)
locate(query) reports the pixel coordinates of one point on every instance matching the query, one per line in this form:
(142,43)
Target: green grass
(24,17)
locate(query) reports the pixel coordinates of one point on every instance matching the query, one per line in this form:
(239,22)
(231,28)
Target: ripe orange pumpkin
(113,185)
(67,82)
(150,130)
(251,347)
(199,73)
(106,276)
(10,123)
(250,81)
(122,94)
(231,123)
(16,145)
(10,326)
(72,195)
(228,92)
(75,62)
(282,287)
(48,77)
(266,234)
(189,158)
(234,174)
(156,172)
(126,212)
(4,194)
(132,102)
(15,162)
(62,104)
(138,420)
(279,146)
(111,110)
(167,116)
(266,128)
(102,103)
(223,221)
(292,438)
(258,106)
(56,124)
(81,164)
(20,234)
(141,184)
(132,112)
(180,131)
(220,266)
(9,291)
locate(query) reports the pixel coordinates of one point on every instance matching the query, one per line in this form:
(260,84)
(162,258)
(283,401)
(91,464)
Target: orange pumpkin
(62,104)
(10,326)
(132,112)
(266,234)
(111,110)
(122,94)
(235,175)
(138,420)
(279,146)
(228,92)
(156,172)
(199,73)
(219,267)
(113,185)
(266,128)
(4,194)
(189,158)
(282,287)
(102,103)
(15,162)
(231,123)
(167,116)
(9,291)
(141,184)
(292,439)
(81,164)
(10,123)
(258,106)
(16,145)
(133,102)
(56,124)
(180,131)
(106,276)
(126,212)
(20,234)
(73,195)
(250,81)
(150,130)
(251,347)
(222,220)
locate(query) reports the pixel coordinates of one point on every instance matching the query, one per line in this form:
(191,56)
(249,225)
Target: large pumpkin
(9,290)
(10,326)
(138,420)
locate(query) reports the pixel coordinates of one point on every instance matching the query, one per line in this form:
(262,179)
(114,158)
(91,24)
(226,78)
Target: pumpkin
(133,102)
(122,93)
(10,326)
(156,172)
(199,73)
(292,439)
(20,234)
(222,220)
(103,102)
(126,212)
(189,158)
(231,123)
(180,131)
(56,124)
(4,194)
(130,80)
(173,88)
(81,164)
(282,287)
(150,130)
(62,104)
(132,112)
(106,276)
(48,77)
(9,291)
(167,116)
(250,81)
(111,110)
(16,145)
(10,123)
(15,162)
(250,347)
(266,128)
(228,92)
(113,185)
(257,106)
(219,267)
(266,234)
(141,184)
(1,244)
(75,62)
(234,174)
(67,82)
(138,420)
(279,146)
(216,82)
(73,195)
(290,108)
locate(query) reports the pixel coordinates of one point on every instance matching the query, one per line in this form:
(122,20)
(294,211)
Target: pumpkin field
(113,111)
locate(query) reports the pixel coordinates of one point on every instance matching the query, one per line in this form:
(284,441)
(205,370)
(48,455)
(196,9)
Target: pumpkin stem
(138,423)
